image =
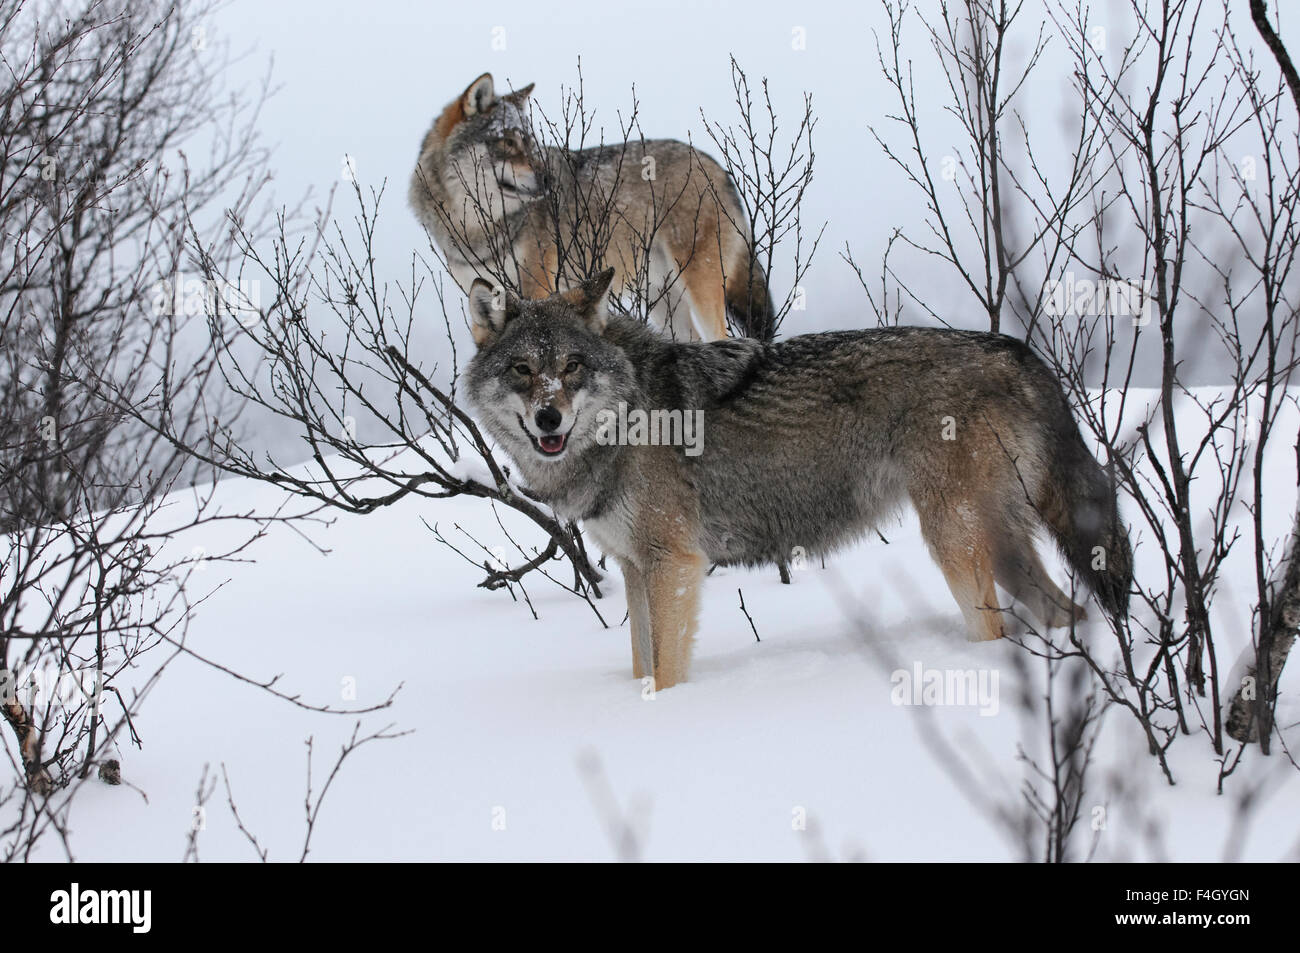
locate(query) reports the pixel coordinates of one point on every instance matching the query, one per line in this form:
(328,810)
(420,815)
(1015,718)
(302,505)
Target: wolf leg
(536,262)
(680,326)
(669,305)
(672,584)
(638,617)
(960,545)
(670,315)
(1021,573)
(704,295)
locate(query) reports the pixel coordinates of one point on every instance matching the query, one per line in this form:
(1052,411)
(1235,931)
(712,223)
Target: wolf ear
(480,96)
(591,300)
(520,96)
(490,307)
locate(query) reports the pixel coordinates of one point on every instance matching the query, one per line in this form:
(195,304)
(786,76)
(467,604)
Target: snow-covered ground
(507,715)
(784,749)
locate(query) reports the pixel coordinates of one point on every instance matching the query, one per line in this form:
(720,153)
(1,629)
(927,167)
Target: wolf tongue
(552,443)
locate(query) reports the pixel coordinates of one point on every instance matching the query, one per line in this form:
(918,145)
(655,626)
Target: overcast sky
(366,80)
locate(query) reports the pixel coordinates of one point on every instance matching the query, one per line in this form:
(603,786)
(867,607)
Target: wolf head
(479,159)
(544,371)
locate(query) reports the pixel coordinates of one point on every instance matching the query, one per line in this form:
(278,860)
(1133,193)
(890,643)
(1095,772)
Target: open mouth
(548,445)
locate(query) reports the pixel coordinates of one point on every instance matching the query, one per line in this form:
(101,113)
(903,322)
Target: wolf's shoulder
(675,373)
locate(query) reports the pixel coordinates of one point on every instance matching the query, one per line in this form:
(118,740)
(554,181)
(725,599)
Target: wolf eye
(572,366)
(523,370)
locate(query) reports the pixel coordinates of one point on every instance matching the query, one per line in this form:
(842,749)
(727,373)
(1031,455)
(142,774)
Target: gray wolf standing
(808,442)
(499,204)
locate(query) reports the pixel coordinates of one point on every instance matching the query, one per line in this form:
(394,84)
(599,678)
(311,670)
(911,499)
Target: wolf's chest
(613,532)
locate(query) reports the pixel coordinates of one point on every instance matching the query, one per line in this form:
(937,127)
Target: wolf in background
(663,214)
(808,442)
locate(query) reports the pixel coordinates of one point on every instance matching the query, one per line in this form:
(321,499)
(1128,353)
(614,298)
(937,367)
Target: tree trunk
(1250,713)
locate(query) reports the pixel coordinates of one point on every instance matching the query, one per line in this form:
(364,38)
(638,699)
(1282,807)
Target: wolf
(807,442)
(500,204)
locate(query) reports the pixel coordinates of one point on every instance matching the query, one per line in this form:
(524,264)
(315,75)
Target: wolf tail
(748,300)
(1082,513)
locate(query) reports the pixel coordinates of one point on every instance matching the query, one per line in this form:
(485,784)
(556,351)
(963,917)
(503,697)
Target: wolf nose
(548,419)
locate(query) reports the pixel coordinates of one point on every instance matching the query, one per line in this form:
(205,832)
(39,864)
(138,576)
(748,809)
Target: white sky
(366,79)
